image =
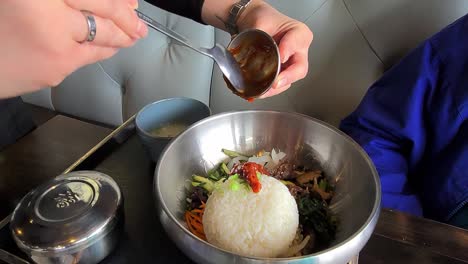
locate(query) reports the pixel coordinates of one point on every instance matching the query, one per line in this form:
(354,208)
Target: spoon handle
(170,33)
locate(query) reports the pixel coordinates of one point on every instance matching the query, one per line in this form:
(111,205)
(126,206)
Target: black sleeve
(187,8)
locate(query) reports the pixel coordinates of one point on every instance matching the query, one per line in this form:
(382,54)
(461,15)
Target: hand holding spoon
(250,64)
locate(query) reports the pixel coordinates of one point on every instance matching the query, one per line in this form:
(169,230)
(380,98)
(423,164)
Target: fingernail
(281,82)
(285,58)
(142,29)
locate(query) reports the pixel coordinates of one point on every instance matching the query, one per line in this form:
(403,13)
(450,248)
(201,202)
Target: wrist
(246,19)
(216,13)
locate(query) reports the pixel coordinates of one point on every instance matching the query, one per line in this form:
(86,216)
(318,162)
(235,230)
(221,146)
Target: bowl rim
(149,105)
(373,216)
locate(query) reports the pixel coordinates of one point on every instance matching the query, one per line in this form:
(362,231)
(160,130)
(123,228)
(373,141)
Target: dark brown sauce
(252,73)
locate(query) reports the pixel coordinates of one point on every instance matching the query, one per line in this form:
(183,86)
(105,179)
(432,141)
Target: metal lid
(66,214)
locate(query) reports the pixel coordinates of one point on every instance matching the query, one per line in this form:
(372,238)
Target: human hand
(294,39)
(41,43)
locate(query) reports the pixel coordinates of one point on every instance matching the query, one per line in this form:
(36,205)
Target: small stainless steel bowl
(167,111)
(259,58)
(74,218)
(198,149)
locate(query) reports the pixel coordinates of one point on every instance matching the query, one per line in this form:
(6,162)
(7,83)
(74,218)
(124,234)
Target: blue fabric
(413,124)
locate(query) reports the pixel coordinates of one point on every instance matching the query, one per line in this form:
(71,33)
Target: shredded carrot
(194,219)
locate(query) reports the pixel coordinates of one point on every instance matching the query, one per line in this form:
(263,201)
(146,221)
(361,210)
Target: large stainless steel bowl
(198,149)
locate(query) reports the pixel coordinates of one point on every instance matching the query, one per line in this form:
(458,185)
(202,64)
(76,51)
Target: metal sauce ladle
(250,64)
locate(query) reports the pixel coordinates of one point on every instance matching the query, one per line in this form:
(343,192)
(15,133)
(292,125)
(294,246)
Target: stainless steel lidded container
(74,218)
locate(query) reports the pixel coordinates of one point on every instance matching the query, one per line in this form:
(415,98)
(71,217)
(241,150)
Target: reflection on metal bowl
(74,218)
(356,202)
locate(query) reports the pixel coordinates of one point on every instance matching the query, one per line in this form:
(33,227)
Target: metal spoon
(225,60)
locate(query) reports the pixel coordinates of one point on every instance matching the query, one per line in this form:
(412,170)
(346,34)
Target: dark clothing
(15,121)
(187,8)
(413,123)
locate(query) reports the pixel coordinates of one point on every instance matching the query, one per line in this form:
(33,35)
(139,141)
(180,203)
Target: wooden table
(398,238)
(43,154)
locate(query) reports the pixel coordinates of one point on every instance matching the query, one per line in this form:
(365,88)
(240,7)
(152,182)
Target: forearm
(211,12)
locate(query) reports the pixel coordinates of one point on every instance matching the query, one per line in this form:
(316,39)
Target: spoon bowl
(258,56)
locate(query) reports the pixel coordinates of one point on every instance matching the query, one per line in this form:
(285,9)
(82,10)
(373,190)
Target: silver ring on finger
(92,29)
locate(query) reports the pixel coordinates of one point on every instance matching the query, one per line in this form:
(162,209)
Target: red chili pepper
(249,172)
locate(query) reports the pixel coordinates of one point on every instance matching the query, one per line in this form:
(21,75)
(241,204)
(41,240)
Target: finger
(97,53)
(287,45)
(88,53)
(298,38)
(297,69)
(80,55)
(107,33)
(119,11)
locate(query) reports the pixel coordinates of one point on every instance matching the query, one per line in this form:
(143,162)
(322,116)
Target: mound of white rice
(259,224)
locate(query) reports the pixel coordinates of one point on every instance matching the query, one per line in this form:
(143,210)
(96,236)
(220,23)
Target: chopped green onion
(287,182)
(225,168)
(206,183)
(259,176)
(231,153)
(214,176)
(234,185)
(234,177)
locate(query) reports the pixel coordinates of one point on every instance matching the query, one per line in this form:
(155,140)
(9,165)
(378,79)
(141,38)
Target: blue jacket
(413,124)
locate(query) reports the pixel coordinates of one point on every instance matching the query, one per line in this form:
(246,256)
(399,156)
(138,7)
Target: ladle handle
(170,33)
